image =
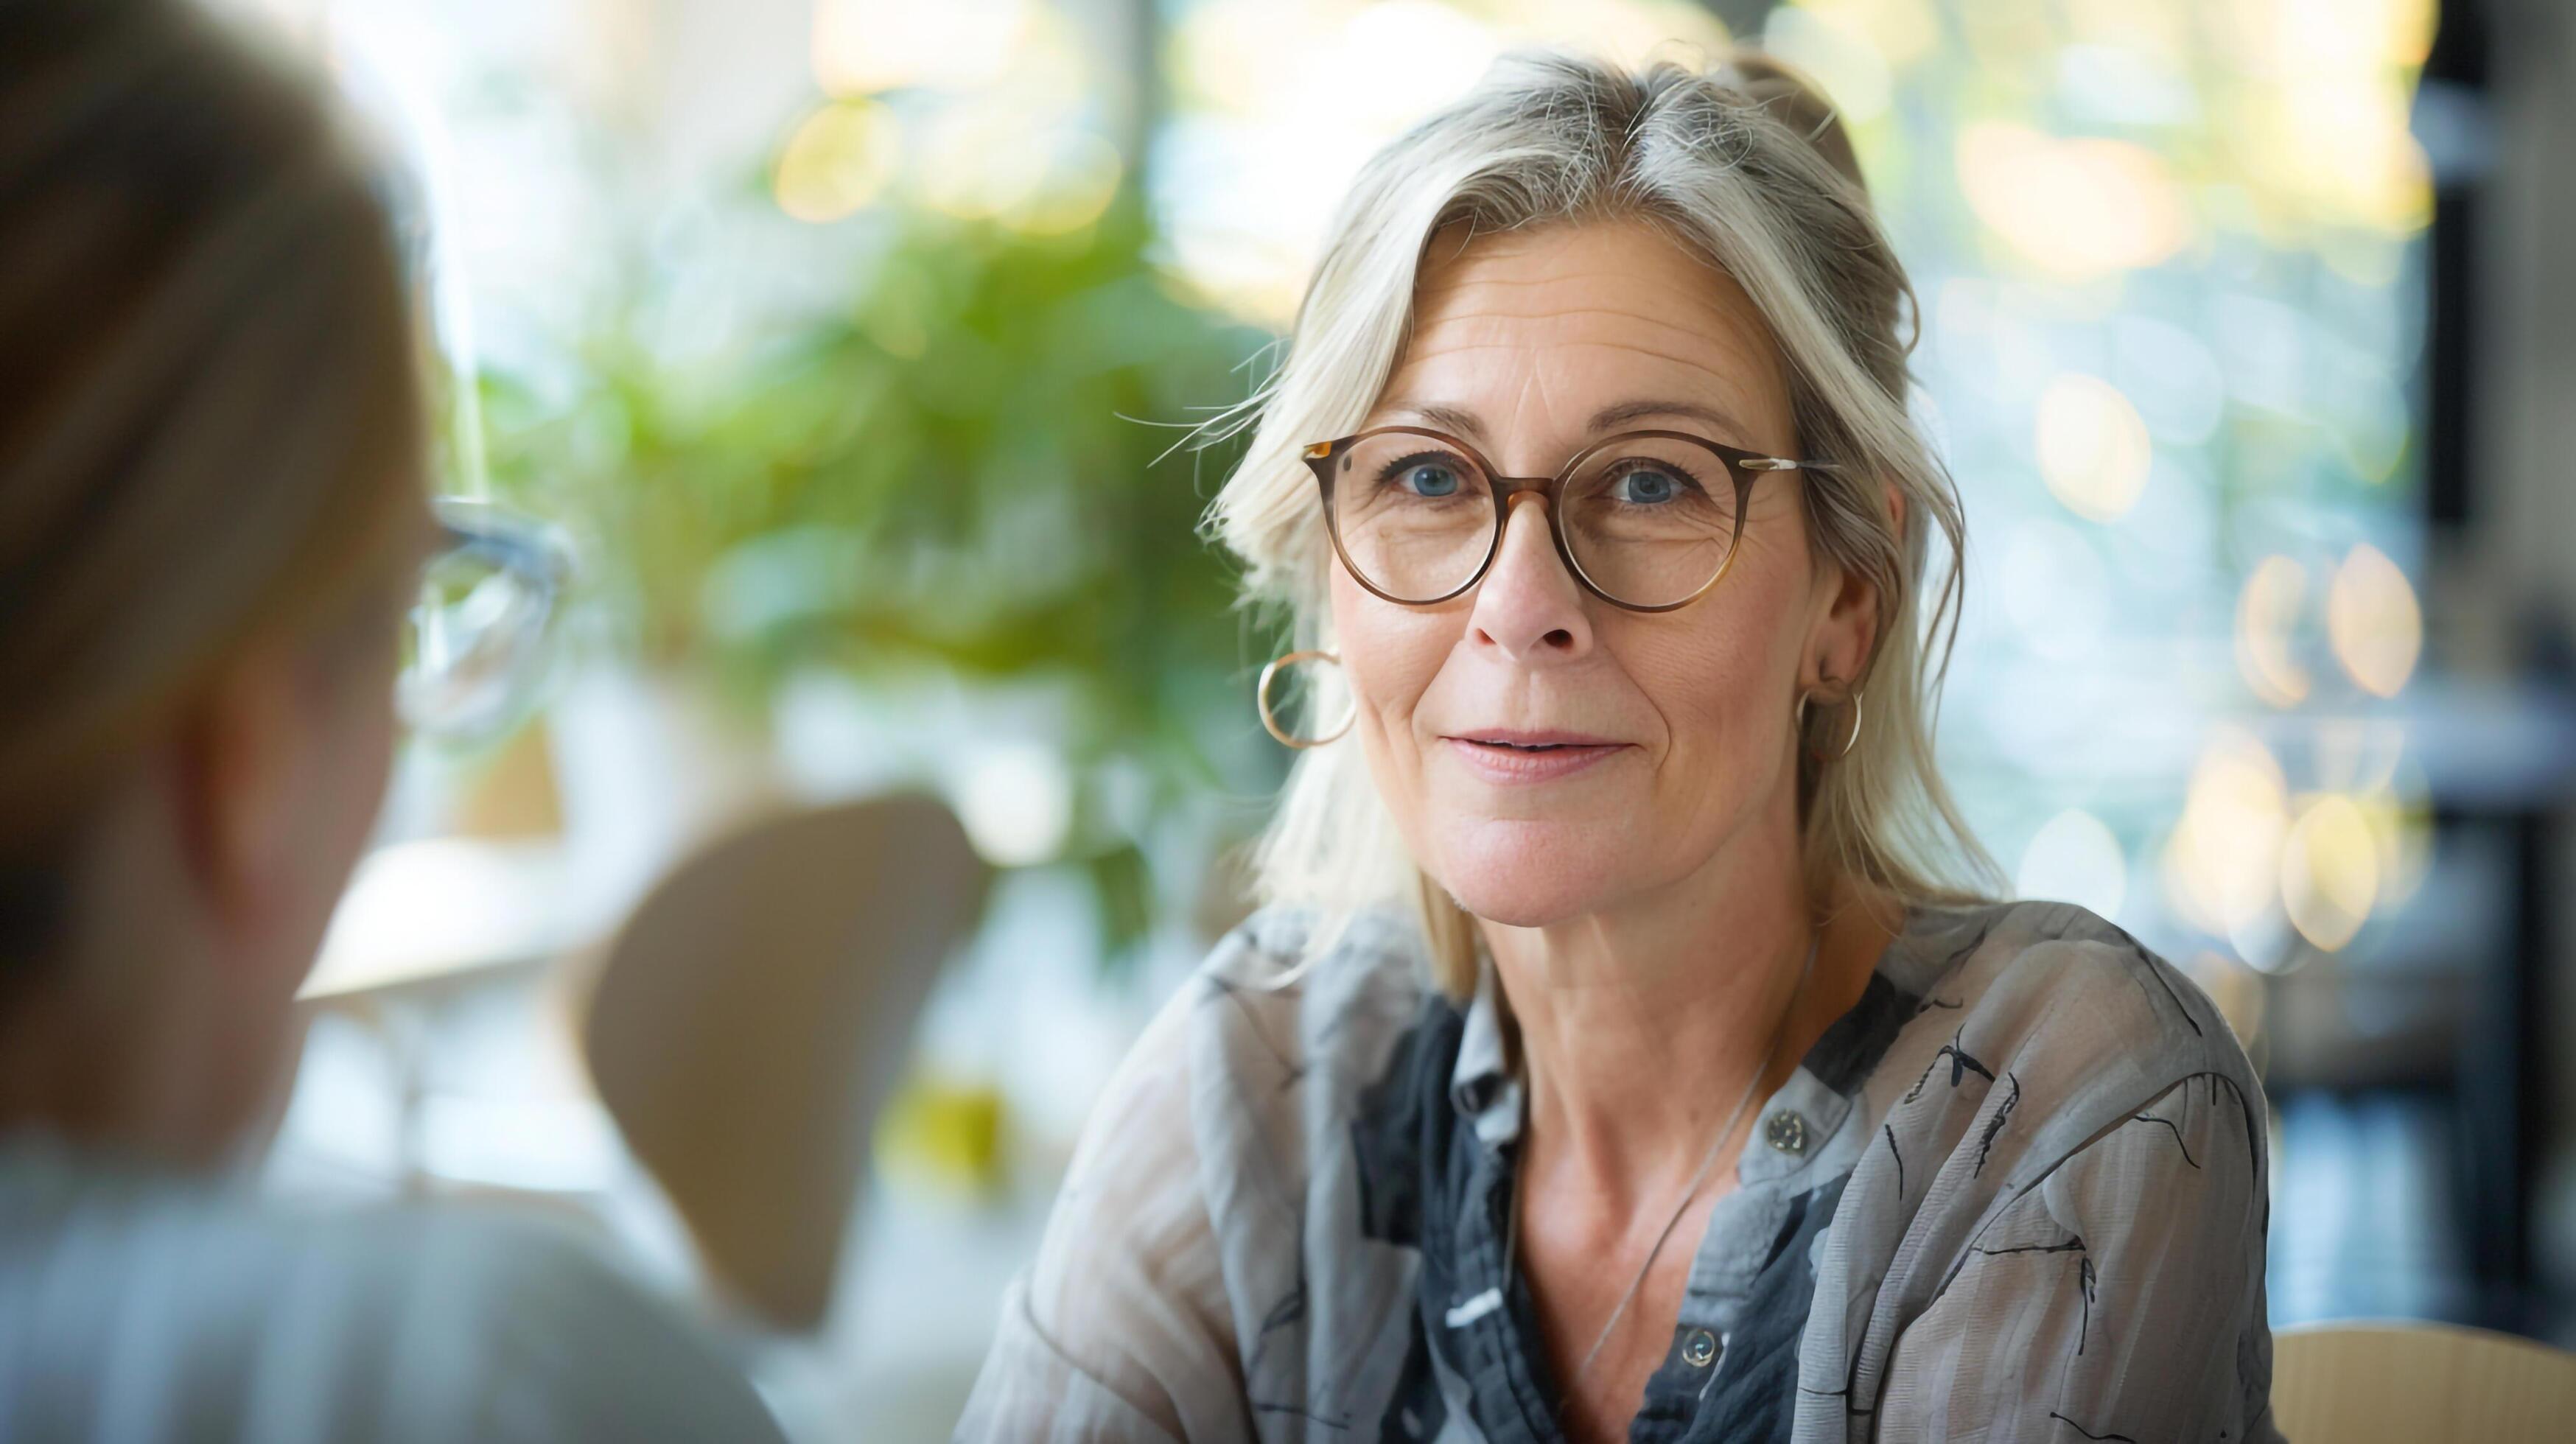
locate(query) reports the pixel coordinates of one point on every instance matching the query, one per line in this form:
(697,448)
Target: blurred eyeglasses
(1646,520)
(478,636)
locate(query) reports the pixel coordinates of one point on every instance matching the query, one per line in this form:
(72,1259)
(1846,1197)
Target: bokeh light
(990,159)
(2075,208)
(2401,828)
(2324,128)
(1901,32)
(837,161)
(2222,861)
(1278,106)
(2075,858)
(2267,615)
(1081,180)
(2373,621)
(1015,801)
(2093,446)
(862,47)
(1834,49)
(2330,871)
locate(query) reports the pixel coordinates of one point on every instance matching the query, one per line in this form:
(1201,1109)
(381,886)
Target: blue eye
(1431,480)
(1643,487)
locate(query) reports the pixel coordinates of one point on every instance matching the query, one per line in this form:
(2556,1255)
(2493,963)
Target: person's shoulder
(2066,1026)
(498,1259)
(397,1321)
(559,1338)
(2054,991)
(1300,950)
(2039,969)
(1299,981)
(1295,1011)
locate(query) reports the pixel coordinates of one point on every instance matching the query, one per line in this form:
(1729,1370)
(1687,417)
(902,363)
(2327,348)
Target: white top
(138,1307)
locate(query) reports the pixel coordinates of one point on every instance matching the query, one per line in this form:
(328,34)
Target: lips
(1510,755)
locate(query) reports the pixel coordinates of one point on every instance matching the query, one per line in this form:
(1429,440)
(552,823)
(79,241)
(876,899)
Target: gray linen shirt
(2016,1193)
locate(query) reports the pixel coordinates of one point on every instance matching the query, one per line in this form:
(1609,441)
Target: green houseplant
(968,468)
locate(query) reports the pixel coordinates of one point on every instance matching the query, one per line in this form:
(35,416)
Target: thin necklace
(1708,1160)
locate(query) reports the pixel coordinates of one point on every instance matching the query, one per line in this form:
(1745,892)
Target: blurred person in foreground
(1628,1048)
(211,518)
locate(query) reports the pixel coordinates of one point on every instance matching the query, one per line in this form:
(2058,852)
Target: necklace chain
(1699,1177)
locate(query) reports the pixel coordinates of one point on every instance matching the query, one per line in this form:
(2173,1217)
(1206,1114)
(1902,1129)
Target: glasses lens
(475,643)
(1651,521)
(1414,515)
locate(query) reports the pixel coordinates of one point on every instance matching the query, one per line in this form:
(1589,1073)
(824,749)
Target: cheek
(1710,686)
(1390,655)
(1720,682)
(1724,674)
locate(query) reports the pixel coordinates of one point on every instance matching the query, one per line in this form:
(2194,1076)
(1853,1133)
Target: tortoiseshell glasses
(1646,520)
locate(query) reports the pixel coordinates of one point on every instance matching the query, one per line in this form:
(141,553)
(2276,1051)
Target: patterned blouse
(2016,1193)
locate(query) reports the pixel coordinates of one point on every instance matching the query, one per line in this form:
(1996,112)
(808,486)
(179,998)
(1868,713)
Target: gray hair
(1746,167)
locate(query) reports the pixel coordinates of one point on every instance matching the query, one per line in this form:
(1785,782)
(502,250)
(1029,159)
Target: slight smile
(1505,755)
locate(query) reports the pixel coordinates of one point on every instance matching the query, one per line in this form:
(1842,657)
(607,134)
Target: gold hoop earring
(1849,742)
(1270,721)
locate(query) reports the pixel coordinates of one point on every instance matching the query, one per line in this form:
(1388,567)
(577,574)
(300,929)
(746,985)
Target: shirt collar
(1487,1092)
(1482,1086)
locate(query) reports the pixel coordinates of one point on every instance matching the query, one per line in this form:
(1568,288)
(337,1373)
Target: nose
(1529,607)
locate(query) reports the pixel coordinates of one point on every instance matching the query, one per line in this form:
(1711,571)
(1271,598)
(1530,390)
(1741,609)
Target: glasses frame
(1746,467)
(534,551)
(541,559)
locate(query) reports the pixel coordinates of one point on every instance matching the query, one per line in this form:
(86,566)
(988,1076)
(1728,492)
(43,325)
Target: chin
(1530,874)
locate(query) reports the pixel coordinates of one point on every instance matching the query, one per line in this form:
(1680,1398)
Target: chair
(752,1015)
(2365,1383)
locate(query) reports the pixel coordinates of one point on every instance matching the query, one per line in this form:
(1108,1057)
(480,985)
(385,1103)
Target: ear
(236,747)
(1845,634)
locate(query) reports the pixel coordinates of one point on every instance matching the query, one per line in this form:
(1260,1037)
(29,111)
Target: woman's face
(1546,754)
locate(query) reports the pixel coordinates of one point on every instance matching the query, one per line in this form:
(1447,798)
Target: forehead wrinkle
(1718,323)
(1726,340)
(1600,317)
(1710,286)
(1716,383)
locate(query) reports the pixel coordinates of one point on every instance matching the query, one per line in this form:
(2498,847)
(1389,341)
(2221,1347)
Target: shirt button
(1699,1348)
(1786,1131)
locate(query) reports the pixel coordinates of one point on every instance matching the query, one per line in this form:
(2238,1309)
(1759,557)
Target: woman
(211,521)
(1695,1099)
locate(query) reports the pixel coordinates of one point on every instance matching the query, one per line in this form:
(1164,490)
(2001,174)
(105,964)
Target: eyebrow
(1452,419)
(1466,423)
(1627,411)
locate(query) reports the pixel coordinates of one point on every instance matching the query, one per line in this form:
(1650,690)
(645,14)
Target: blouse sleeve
(2120,1298)
(1121,1330)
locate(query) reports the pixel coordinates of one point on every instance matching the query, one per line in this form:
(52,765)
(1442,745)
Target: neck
(126,1040)
(118,1084)
(1642,1025)
(154,1029)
